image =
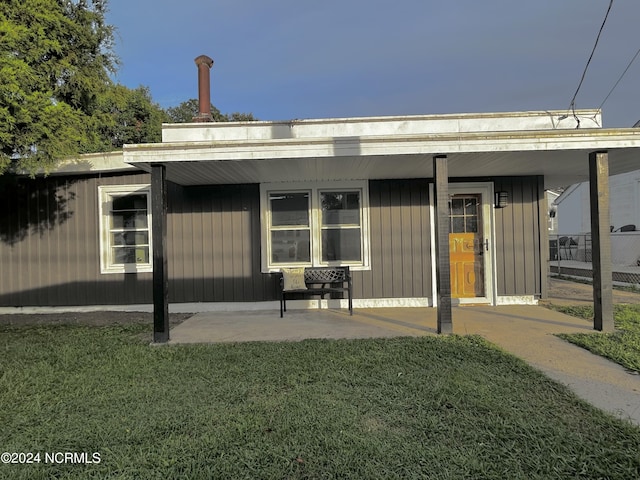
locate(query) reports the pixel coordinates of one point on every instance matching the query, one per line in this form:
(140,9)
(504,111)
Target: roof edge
(386,118)
(92,163)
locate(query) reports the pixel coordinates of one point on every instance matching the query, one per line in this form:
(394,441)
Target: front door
(466,246)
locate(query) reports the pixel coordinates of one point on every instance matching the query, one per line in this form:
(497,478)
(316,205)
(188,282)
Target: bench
(317,281)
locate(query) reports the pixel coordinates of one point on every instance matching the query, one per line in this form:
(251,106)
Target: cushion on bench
(293,279)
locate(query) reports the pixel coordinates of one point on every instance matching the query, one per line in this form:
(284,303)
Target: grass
(621,346)
(452,407)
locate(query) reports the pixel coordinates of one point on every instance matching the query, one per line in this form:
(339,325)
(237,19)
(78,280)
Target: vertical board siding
(543,235)
(215,251)
(50,254)
(518,231)
(400,241)
(49,243)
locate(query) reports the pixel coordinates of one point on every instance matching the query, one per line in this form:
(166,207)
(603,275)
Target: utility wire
(618,81)
(572,105)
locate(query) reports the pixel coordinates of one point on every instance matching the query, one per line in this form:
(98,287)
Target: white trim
(273,305)
(471,301)
(200,307)
(343,303)
(516,300)
(92,163)
(488,229)
(486,190)
(565,194)
(432,231)
(380,125)
(314,189)
(389,144)
(74,309)
(194,307)
(105,194)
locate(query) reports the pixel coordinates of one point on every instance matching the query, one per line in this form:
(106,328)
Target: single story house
(426,210)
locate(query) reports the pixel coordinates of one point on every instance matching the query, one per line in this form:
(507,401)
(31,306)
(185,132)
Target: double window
(315,225)
(125,228)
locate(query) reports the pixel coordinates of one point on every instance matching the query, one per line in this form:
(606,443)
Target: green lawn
(622,346)
(432,407)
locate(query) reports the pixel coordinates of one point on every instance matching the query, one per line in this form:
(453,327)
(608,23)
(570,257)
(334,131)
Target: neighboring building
(574,211)
(552,197)
(246,199)
(575,219)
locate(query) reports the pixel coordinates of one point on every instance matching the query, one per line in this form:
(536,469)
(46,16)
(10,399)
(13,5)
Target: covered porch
(445,148)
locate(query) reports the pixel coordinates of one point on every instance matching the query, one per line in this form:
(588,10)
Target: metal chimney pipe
(204,64)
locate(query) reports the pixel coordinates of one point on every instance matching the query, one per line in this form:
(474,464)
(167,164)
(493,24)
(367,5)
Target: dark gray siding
(49,245)
(400,241)
(49,248)
(521,265)
(214,245)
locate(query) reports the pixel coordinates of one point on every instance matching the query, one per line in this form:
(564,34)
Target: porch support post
(159,239)
(601,241)
(443,265)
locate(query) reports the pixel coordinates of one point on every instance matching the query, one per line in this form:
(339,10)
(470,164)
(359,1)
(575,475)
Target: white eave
(559,153)
(92,163)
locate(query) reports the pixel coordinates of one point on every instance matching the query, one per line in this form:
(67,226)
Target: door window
(465,214)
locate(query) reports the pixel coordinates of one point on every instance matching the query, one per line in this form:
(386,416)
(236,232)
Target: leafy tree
(185,112)
(125,115)
(55,61)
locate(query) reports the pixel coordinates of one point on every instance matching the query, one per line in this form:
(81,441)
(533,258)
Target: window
(340,224)
(290,228)
(464,213)
(315,225)
(125,228)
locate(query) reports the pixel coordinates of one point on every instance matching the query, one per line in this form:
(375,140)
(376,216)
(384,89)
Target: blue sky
(287,59)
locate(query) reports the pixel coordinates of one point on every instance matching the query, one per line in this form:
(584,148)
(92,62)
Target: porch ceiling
(560,155)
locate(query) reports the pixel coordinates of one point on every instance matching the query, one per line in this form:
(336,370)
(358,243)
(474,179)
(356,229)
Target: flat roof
(477,145)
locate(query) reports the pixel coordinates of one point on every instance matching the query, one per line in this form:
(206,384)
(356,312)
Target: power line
(572,105)
(620,78)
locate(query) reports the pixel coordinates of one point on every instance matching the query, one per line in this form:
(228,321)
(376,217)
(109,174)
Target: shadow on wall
(30,206)
(134,289)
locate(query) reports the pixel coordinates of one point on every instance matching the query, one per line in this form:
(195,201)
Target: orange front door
(466,246)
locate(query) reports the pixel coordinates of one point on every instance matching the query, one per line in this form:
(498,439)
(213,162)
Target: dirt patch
(566,292)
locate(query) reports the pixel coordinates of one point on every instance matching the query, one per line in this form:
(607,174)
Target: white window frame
(106,193)
(315,219)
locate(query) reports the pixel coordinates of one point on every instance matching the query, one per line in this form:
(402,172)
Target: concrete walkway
(527,332)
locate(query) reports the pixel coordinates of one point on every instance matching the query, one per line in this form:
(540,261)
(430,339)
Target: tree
(125,115)
(55,61)
(185,112)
